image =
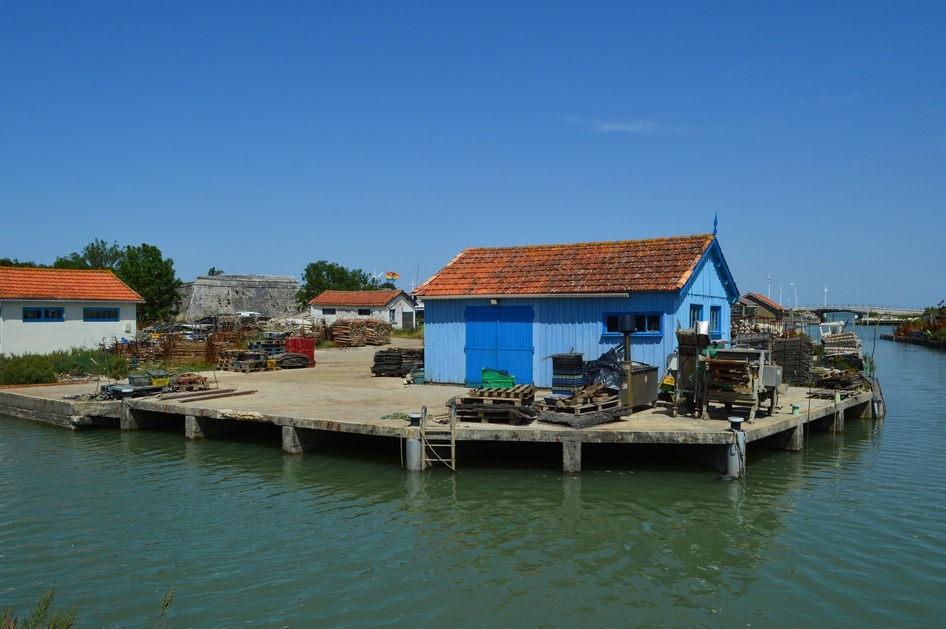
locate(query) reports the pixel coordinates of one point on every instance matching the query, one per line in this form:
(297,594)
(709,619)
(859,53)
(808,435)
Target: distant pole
(779,295)
(770,287)
(825,296)
(795,291)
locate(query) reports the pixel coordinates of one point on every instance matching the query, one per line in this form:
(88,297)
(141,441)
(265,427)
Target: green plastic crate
(495,379)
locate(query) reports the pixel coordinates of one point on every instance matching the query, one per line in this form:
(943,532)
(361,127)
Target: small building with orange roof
(45,310)
(760,307)
(512,308)
(394,306)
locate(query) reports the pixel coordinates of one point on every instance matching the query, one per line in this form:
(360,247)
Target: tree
(321,276)
(15,262)
(152,276)
(98,254)
(214,271)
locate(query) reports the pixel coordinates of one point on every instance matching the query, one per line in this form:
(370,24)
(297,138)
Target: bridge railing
(863,309)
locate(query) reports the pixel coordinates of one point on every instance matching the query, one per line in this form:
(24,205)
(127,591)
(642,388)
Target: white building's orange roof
(63,285)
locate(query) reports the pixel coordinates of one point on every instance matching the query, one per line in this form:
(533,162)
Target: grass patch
(413,333)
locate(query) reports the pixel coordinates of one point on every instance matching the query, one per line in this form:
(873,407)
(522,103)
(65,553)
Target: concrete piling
(736,455)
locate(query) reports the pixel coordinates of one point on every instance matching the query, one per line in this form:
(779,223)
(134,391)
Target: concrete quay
(319,406)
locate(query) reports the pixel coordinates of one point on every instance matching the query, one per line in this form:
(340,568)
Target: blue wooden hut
(512,308)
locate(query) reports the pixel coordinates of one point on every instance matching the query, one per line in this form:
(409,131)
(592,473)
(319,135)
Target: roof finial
(715,220)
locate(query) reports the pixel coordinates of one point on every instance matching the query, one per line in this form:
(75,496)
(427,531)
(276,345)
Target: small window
(715,321)
(364,312)
(392,315)
(100,314)
(648,323)
(696,314)
(43,314)
(328,311)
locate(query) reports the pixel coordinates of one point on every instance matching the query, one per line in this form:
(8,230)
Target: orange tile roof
(659,264)
(63,285)
(762,299)
(356,298)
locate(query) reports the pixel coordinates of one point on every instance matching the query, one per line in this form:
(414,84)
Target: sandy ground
(339,386)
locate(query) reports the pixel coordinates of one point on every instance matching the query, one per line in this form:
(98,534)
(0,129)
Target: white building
(394,306)
(47,310)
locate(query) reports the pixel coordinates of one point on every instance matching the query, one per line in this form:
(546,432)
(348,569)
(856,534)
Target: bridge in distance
(881,312)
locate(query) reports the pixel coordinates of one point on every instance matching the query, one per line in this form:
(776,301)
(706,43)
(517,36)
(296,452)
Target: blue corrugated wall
(575,324)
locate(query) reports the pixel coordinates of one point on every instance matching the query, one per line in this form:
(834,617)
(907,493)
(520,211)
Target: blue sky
(257,137)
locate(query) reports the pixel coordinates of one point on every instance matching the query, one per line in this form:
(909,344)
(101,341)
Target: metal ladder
(439,440)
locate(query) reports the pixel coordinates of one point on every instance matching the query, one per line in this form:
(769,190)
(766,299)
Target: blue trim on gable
(714,252)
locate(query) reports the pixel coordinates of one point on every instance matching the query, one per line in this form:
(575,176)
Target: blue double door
(498,337)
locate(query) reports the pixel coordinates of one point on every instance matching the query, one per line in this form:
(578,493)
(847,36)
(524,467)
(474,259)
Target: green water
(852,531)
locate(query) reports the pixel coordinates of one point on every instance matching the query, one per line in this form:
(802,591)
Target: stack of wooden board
(397,362)
(349,332)
(512,405)
(377,332)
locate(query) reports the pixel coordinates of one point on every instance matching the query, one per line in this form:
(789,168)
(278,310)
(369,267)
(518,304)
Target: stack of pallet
(588,399)
(242,360)
(397,362)
(513,406)
(795,356)
(268,346)
(841,343)
(377,332)
(349,332)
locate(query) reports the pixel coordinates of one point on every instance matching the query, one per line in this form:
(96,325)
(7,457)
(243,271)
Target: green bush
(46,368)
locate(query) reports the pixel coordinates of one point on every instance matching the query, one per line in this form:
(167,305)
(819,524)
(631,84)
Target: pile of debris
(842,379)
(291,360)
(397,362)
(595,397)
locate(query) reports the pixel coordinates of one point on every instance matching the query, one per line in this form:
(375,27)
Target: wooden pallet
(496,405)
(614,402)
(493,401)
(489,414)
(589,399)
(521,392)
